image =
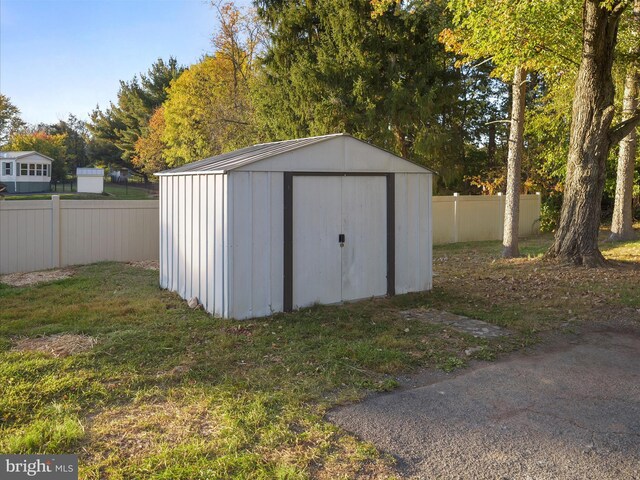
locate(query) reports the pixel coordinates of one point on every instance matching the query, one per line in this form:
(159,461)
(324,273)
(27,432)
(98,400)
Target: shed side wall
(256,269)
(193,235)
(90,184)
(413,232)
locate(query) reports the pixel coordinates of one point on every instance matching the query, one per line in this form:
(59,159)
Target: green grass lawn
(172,393)
(112,191)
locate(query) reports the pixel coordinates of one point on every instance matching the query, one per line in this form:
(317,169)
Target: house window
(45,170)
(39,170)
(32,170)
(24,169)
(6,169)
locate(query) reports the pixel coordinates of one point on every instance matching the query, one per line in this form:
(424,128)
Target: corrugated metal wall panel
(276,213)
(429,233)
(192,238)
(225,241)
(413,237)
(255,275)
(261,243)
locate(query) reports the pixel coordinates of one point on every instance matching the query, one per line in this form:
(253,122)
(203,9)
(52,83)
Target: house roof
(18,155)
(255,153)
(89,172)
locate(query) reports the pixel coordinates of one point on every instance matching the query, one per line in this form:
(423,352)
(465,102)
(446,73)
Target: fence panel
(25,235)
(474,218)
(41,234)
(443,220)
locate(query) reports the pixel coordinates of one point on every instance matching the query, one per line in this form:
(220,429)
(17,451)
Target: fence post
(455,217)
(501,215)
(55,231)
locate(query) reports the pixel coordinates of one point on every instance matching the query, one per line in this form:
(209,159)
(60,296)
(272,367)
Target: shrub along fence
(41,234)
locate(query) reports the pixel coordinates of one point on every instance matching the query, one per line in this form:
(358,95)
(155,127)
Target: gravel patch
(477,328)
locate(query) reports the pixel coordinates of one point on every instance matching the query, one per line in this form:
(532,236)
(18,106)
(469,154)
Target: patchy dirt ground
(56,345)
(145,264)
(33,278)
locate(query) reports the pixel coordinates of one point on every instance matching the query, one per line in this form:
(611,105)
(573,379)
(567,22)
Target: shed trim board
(288,227)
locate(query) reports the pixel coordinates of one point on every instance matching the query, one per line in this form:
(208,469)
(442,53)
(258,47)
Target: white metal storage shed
(90,180)
(283,225)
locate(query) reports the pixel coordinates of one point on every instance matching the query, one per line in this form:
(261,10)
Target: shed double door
(339,238)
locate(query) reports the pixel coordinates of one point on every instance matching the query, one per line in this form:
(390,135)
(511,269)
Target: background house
(283,225)
(25,172)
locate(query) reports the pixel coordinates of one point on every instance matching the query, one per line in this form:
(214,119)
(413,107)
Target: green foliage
(376,81)
(550,212)
(206,112)
(451,363)
(76,137)
(538,36)
(10,121)
(124,122)
(52,146)
(47,435)
(331,67)
(150,148)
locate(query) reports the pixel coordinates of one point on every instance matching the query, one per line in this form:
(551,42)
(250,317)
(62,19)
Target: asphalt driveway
(569,411)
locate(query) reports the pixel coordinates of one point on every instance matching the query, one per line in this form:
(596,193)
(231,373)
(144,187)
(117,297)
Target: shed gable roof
(256,153)
(18,155)
(89,172)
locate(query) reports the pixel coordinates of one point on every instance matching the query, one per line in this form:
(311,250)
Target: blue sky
(65,56)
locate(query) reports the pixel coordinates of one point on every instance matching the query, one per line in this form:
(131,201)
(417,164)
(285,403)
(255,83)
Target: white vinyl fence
(473,218)
(41,234)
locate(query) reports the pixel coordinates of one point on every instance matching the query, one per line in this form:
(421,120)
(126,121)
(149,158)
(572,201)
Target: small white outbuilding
(90,180)
(279,226)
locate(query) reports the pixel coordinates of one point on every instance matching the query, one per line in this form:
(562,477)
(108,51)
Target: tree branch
(482,62)
(621,130)
(228,120)
(559,55)
(498,121)
(619,7)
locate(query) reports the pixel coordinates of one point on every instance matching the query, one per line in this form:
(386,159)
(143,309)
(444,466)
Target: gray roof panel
(245,156)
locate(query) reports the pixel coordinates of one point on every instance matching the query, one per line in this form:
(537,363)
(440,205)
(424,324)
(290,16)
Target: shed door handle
(341,238)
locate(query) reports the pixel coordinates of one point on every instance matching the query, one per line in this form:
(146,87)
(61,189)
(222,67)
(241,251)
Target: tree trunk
(514,165)
(576,238)
(491,146)
(622,222)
